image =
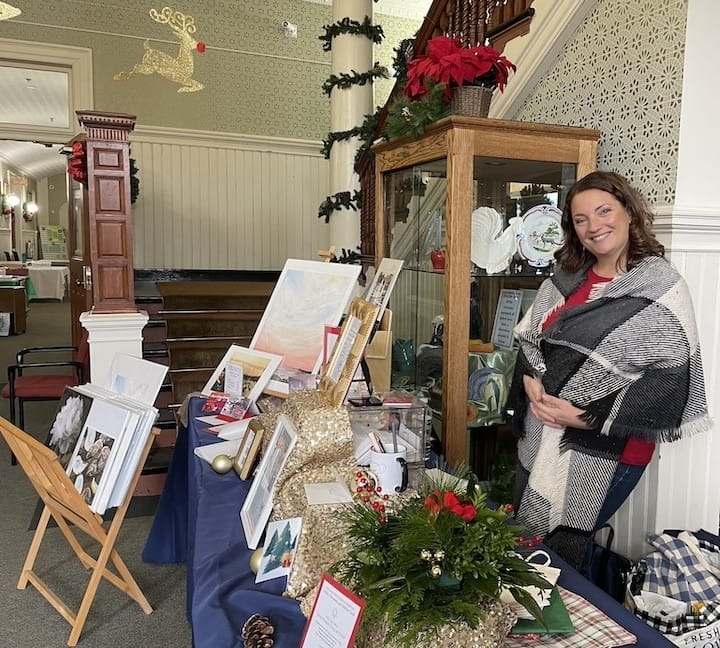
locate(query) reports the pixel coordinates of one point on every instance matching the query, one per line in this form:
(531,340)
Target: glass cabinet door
(514,230)
(415,217)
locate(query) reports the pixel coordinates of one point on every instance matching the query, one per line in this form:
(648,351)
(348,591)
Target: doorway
(44,85)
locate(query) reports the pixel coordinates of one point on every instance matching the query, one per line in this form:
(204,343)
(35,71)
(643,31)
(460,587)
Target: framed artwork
(383,283)
(248,449)
(332,333)
(348,350)
(258,505)
(281,542)
(308,295)
(242,371)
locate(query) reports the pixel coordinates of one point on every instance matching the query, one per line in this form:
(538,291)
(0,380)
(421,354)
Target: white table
(49,282)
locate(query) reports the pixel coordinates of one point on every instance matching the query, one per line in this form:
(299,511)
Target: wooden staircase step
(212,323)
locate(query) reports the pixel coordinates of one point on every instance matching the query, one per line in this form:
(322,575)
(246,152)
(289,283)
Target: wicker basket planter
(471,101)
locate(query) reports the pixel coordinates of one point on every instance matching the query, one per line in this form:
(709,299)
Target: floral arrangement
(449,63)
(431,559)
(433,77)
(77,164)
(77,168)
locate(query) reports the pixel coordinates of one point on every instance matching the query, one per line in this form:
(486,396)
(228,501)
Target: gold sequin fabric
(323,453)
(491,633)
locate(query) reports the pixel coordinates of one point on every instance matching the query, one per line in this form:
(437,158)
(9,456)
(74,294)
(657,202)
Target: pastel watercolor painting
(308,295)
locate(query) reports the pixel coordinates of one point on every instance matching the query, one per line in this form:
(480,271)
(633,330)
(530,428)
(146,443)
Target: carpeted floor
(28,620)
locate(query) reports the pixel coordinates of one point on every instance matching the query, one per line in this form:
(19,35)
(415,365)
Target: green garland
(338,201)
(134,182)
(406,117)
(348,26)
(403,55)
(355,78)
(365,132)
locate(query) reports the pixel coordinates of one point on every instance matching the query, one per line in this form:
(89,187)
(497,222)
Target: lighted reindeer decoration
(179,69)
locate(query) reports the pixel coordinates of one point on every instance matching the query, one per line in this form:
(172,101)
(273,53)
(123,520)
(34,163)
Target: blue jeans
(623,482)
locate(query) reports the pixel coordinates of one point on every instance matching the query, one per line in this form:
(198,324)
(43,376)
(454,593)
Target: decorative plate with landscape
(543,235)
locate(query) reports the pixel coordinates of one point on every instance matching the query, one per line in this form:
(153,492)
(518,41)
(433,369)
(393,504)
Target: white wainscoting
(224,201)
(681,488)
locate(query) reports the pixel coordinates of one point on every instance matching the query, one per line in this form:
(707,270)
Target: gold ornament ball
(255,560)
(222,464)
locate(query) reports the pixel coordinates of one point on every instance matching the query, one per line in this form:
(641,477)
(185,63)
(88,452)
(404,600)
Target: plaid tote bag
(676,588)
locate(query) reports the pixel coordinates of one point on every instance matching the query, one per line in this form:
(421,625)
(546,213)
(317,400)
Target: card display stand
(65,506)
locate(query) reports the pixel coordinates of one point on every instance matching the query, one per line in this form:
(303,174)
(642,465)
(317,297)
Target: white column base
(108,335)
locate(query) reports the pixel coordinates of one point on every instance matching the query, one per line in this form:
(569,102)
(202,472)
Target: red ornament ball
(201,47)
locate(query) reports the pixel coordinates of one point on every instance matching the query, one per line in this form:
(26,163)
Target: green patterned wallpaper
(257,81)
(622,74)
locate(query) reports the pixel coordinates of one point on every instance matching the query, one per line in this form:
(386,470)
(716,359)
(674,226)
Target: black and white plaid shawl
(630,358)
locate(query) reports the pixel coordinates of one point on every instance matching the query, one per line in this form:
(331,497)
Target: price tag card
(335,616)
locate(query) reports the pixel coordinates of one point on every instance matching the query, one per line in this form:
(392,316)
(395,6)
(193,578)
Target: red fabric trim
(638,452)
(49,386)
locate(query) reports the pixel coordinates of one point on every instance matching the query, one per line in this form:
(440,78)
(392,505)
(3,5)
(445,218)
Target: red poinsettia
(437,502)
(449,63)
(77,164)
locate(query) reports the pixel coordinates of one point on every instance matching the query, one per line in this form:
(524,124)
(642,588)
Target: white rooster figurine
(492,248)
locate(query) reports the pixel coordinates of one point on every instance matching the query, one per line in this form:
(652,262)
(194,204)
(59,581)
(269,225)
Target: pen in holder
(389,470)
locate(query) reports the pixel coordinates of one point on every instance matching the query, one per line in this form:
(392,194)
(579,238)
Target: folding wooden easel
(65,505)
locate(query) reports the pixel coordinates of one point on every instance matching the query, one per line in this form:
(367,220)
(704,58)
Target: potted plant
(449,79)
(454,66)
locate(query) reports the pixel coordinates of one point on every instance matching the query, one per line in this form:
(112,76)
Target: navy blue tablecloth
(198,521)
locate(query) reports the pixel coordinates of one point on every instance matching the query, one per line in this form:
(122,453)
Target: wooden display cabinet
(428,189)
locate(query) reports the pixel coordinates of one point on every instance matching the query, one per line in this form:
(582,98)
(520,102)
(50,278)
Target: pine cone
(257,632)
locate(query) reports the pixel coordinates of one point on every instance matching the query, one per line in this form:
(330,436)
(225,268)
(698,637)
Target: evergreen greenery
(338,201)
(407,117)
(344,80)
(432,561)
(365,132)
(348,26)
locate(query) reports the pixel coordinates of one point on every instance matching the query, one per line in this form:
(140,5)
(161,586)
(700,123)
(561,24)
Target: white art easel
(65,505)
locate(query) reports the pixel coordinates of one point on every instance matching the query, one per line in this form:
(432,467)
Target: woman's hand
(551,410)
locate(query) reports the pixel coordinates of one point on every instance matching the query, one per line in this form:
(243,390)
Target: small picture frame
(258,504)
(348,350)
(247,453)
(382,284)
(254,368)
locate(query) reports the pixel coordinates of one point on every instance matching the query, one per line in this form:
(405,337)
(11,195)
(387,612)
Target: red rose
(450,500)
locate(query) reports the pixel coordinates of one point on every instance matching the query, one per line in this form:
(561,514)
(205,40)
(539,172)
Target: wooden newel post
(109,227)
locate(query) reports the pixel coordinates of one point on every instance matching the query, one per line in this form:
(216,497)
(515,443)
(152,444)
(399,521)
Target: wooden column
(109,228)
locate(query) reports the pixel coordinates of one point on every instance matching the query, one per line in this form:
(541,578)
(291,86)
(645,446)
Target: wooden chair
(65,506)
(25,383)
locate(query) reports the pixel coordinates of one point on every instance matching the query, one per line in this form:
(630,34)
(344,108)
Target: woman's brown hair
(572,256)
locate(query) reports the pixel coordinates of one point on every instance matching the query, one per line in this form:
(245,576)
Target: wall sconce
(29,210)
(9,202)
